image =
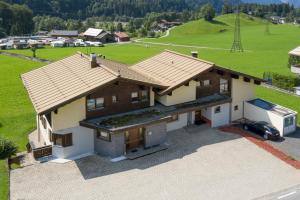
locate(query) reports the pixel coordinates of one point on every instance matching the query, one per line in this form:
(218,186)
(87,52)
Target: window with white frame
(114,99)
(134,97)
(94,104)
(223,86)
(217,109)
(289,121)
(206,83)
(103,135)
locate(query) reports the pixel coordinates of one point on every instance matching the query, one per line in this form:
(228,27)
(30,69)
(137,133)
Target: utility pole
(237,42)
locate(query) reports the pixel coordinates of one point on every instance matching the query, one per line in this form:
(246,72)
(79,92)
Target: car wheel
(246,127)
(266,136)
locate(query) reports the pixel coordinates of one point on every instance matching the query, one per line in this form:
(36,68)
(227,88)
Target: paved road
(292,193)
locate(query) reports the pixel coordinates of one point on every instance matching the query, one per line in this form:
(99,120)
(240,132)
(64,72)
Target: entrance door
(198,118)
(134,138)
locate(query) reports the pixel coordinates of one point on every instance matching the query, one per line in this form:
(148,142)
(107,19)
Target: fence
(42,151)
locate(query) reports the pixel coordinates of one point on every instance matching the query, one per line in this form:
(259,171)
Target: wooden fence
(42,151)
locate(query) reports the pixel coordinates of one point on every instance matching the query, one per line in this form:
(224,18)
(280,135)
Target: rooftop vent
(194,54)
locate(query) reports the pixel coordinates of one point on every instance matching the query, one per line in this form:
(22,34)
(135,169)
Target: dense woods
(18,17)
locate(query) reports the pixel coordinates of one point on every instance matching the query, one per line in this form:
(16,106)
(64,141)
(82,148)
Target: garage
(284,119)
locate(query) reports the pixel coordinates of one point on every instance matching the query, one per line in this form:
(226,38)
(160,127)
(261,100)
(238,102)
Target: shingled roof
(68,79)
(172,68)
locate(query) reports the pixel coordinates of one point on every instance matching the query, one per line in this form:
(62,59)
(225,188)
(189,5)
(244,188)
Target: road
(292,193)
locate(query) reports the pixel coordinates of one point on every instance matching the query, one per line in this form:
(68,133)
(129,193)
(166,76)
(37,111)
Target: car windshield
(270,129)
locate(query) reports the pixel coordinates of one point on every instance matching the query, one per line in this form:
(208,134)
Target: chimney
(194,54)
(93,60)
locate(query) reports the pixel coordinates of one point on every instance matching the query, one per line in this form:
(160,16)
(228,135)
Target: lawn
(263,52)
(3,180)
(16,114)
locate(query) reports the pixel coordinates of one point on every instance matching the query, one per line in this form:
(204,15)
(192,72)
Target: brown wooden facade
(122,90)
(214,87)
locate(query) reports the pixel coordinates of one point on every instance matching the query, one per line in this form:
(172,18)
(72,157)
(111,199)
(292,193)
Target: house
(277,20)
(121,37)
(20,44)
(295,60)
(57,43)
(99,35)
(64,33)
(89,105)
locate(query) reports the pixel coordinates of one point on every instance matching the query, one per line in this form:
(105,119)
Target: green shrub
(285,81)
(7,148)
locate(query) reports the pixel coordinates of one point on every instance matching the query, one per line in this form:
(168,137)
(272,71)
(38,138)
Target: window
(198,83)
(50,135)
(103,135)
(93,104)
(236,107)
(114,99)
(289,121)
(99,103)
(64,140)
(144,95)
(206,83)
(218,109)
(134,97)
(175,117)
(223,86)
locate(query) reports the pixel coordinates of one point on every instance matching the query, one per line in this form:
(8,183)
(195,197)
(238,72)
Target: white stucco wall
(44,132)
(180,95)
(83,143)
(69,115)
(180,123)
(152,97)
(222,118)
(295,69)
(258,114)
(241,91)
(207,112)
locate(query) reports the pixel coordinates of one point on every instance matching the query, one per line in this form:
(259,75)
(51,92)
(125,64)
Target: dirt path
(25,57)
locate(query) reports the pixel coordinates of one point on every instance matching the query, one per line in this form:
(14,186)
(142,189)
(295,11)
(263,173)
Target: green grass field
(16,114)
(3,181)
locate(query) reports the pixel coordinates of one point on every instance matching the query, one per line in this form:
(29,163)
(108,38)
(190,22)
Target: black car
(263,129)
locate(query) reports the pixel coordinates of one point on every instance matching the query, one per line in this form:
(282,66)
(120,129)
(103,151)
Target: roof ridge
(187,56)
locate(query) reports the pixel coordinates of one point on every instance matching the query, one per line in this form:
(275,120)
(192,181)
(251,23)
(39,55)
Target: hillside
(263,52)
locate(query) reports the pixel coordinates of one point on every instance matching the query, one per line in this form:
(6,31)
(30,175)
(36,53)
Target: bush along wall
(286,82)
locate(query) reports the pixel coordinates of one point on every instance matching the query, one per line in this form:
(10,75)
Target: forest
(19,17)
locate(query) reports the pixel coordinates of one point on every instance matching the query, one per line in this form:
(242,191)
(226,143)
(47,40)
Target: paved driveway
(201,163)
(290,145)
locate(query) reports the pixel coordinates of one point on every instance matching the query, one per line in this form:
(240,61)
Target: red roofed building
(121,37)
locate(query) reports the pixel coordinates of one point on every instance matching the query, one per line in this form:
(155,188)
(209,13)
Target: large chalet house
(86,104)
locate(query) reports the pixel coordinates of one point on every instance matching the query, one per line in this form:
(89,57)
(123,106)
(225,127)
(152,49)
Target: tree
(22,18)
(7,148)
(119,27)
(33,48)
(208,12)
(226,9)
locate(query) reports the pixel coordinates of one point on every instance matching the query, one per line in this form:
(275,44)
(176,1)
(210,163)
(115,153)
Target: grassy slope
(3,181)
(16,113)
(266,52)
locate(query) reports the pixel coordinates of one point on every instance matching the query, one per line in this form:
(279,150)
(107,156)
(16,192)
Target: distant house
(122,37)
(36,43)
(20,44)
(295,60)
(63,33)
(164,25)
(58,43)
(100,35)
(277,20)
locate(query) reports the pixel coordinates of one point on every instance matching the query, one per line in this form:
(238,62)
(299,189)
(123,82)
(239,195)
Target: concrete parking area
(290,144)
(200,163)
